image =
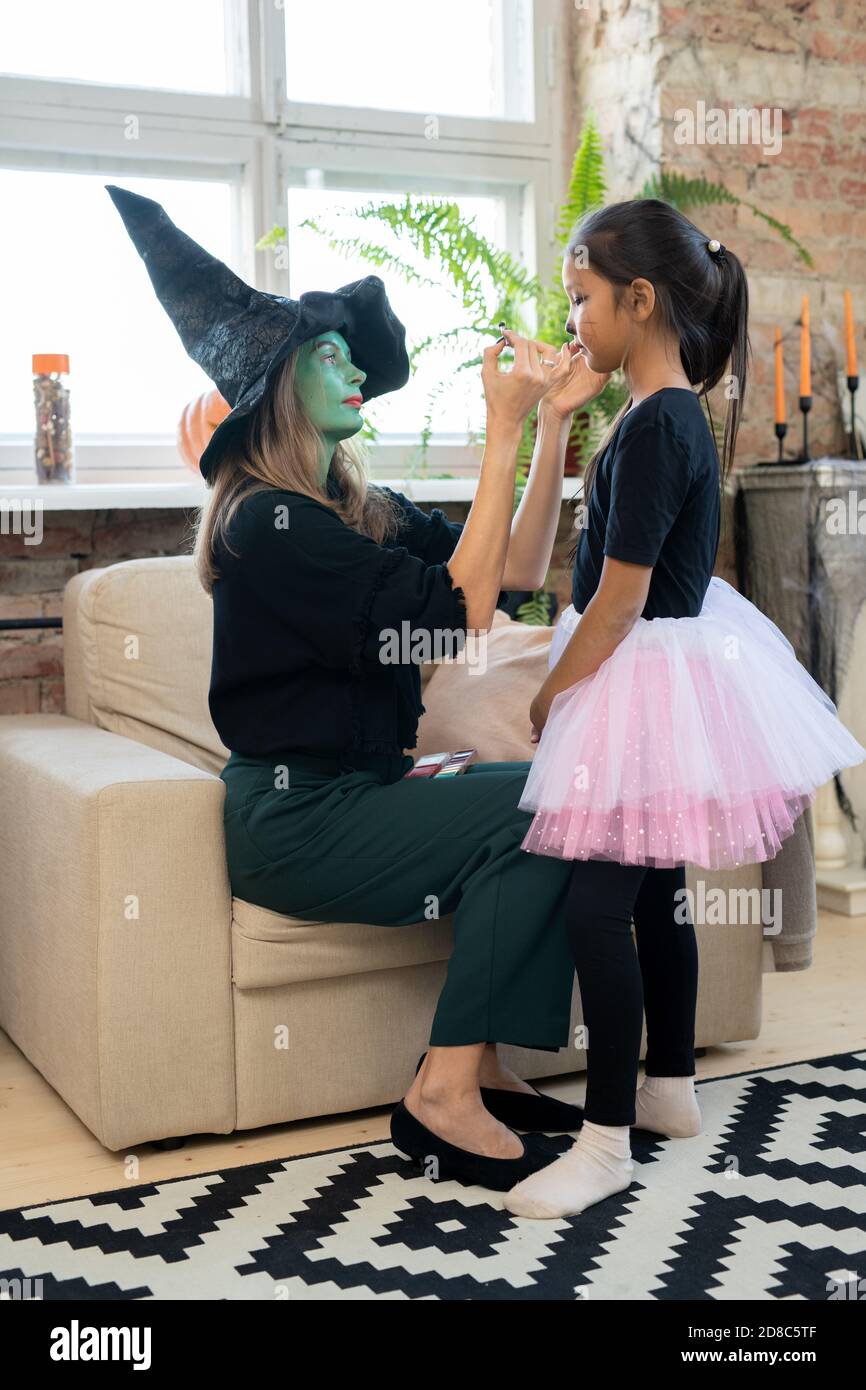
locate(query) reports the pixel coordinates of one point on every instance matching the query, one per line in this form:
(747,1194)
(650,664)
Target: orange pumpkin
(197,423)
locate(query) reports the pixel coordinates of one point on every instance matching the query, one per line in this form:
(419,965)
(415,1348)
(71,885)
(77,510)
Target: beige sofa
(151,1000)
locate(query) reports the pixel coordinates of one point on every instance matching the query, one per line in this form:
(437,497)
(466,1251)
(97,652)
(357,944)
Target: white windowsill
(82,497)
(135,473)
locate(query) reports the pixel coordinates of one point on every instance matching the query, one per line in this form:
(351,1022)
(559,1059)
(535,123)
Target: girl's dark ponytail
(729,346)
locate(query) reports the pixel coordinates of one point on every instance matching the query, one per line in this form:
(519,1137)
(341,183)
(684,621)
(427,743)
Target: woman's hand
(574,390)
(511,395)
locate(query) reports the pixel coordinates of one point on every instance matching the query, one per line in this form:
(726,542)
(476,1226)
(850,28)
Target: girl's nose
(358,375)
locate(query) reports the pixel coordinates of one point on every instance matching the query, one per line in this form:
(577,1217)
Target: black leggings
(617,984)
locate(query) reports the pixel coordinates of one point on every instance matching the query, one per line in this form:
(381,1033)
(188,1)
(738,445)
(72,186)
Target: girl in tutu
(676,725)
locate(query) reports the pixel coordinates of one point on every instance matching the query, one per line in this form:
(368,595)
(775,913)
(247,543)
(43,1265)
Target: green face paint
(326,381)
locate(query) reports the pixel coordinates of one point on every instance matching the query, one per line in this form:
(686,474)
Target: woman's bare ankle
(496,1075)
(463,1121)
(439,1092)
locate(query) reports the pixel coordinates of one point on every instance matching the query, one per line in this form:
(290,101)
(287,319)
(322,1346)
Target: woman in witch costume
(309,565)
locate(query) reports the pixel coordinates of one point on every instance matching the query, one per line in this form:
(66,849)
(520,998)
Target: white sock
(668,1105)
(597,1165)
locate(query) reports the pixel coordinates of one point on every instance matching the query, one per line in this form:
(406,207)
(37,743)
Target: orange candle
(805,351)
(850,341)
(780,380)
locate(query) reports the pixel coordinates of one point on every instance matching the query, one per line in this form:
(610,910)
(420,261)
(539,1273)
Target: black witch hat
(239,335)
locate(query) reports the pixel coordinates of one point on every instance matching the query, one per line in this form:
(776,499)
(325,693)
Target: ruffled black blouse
(299,615)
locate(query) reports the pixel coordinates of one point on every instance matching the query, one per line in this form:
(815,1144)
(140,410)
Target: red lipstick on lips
(354,400)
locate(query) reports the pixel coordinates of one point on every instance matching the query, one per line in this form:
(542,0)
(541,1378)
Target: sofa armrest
(115,929)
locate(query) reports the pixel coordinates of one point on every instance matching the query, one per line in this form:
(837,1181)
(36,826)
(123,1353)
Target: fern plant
(489,285)
(686,194)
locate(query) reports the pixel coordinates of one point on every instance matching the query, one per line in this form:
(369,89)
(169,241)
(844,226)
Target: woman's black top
(655,501)
(299,618)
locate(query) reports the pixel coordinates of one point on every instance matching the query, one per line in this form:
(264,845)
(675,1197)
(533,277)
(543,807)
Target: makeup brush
(501,325)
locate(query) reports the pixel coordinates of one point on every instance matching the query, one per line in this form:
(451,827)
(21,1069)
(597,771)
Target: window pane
(77,285)
(424,310)
(160,44)
(454,57)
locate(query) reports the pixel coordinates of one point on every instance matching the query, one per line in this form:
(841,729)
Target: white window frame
(259,141)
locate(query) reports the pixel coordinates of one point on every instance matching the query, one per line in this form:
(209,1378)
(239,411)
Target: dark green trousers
(355,842)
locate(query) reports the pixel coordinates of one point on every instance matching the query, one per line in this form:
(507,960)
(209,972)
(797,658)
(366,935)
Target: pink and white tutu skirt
(699,740)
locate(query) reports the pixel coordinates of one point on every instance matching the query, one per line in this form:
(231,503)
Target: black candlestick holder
(781,431)
(856,450)
(805,407)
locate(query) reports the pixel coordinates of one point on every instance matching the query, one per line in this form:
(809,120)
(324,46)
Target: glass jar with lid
(53,445)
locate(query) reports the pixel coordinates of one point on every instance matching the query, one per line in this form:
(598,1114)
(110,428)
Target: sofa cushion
(137,655)
(271,949)
(483,702)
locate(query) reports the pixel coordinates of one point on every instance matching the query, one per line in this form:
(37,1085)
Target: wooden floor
(46,1153)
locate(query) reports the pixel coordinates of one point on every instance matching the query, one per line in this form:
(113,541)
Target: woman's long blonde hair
(279,447)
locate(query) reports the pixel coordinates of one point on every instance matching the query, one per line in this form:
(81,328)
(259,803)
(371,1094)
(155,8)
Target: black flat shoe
(420,1144)
(519,1110)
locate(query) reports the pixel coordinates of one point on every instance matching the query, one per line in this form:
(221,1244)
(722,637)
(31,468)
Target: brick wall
(636,64)
(33,577)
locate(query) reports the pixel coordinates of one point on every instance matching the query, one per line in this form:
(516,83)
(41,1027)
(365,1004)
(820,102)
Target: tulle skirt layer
(699,740)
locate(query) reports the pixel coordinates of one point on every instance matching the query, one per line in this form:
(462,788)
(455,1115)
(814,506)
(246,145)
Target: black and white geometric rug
(769,1202)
